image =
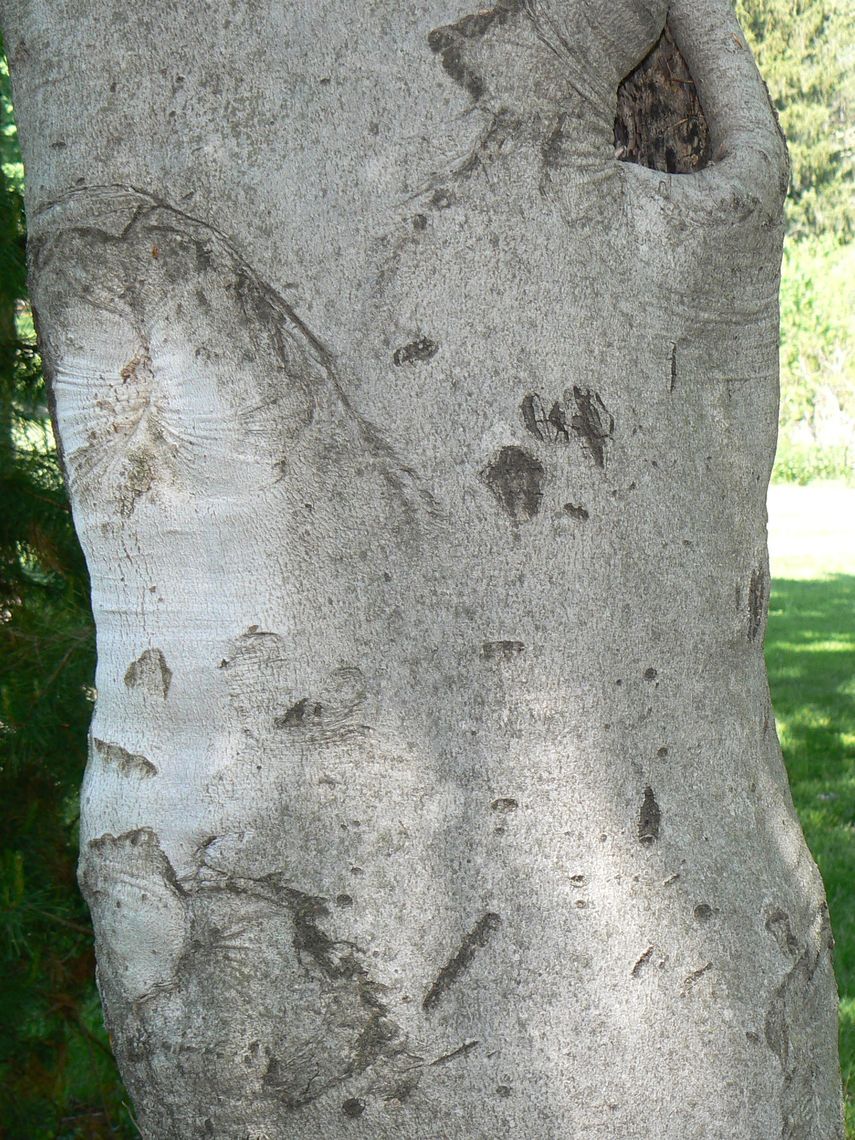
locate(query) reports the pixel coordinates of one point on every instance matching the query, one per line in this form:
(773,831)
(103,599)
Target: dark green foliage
(804,50)
(57,1077)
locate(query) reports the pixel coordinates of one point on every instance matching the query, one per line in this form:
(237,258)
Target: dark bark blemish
(576,512)
(756,603)
(673,367)
(548,427)
(441,199)
(146,845)
(592,423)
(650,674)
(692,979)
(126,763)
(660,123)
(353,1107)
(534,416)
(139,474)
(557,420)
(476,939)
(332,714)
(503,1090)
(415,352)
(798,1005)
(649,818)
(150,672)
(299,714)
(334,958)
(293,1084)
(488,148)
(552,148)
(516,479)
(826,933)
(641,962)
(504,804)
(369,1032)
(380,1035)
(779,926)
(450,43)
(501,650)
(403,1090)
(420,222)
(445,43)
(703,912)
(775,1028)
(460,1051)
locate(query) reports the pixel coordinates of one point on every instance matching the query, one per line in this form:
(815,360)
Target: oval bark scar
(150,672)
(127,763)
(516,479)
(649,818)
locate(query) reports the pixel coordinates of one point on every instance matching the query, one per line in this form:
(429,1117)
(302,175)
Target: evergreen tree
(804,50)
(57,1077)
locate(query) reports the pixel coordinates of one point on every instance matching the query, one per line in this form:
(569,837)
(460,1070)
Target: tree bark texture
(418,447)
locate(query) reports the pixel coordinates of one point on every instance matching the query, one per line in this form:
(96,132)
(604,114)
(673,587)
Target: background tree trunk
(419,449)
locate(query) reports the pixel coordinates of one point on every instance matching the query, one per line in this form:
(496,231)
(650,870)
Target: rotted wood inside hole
(659,121)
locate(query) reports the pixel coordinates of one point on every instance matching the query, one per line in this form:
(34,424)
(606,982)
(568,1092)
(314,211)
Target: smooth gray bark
(419,450)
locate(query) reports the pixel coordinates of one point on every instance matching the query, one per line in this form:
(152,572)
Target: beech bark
(418,444)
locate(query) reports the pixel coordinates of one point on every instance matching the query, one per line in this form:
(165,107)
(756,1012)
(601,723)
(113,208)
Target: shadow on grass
(810,652)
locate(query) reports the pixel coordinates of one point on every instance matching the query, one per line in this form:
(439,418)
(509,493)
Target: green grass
(810,650)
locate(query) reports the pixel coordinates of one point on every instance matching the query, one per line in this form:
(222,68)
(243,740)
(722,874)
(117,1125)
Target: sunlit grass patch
(810,650)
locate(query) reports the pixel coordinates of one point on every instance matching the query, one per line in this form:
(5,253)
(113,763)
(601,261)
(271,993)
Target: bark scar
(475,940)
(449,42)
(516,479)
(127,763)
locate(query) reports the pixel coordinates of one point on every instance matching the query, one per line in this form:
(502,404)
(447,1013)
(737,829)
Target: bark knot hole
(660,122)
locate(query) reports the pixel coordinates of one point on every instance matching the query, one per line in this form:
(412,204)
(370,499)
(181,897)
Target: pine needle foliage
(806,53)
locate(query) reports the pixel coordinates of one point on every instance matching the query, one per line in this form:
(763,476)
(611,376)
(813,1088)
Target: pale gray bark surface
(419,451)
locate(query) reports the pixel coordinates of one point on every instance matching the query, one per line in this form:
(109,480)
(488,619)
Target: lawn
(810,650)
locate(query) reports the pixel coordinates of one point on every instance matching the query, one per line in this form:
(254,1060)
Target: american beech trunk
(417,396)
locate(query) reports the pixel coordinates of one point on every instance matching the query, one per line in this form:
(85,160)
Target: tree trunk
(419,448)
